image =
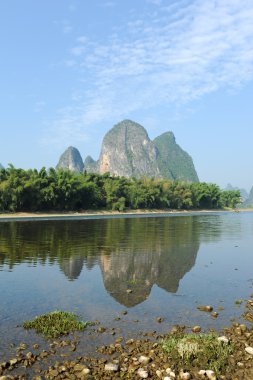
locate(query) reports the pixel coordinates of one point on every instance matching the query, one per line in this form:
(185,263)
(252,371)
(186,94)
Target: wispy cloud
(171,55)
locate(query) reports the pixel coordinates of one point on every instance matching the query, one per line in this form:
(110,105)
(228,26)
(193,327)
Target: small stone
(243,327)
(158,373)
(13,361)
(249,350)
(53,373)
(223,339)
(79,367)
(142,373)
(210,374)
(215,314)
(196,329)
(240,365)
(167,378)
(185,375)
(6,377)
(168,370)
(159,319)
(172,374)
(129,291)
(144,359)
(124,312)
(111,367)
(101,329)
(202,372)
(207,308)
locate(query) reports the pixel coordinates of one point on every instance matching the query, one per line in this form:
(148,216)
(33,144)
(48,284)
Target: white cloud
(173,56)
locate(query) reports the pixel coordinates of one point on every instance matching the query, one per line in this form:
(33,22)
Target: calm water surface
(171,264)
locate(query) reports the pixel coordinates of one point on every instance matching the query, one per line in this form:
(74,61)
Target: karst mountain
(128,151)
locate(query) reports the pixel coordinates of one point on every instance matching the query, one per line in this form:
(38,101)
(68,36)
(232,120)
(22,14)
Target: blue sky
(71,69)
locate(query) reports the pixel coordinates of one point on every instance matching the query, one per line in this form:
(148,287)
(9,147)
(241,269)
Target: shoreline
(141,356)
(105,213)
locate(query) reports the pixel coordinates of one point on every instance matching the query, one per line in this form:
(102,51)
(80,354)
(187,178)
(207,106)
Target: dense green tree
(33,190)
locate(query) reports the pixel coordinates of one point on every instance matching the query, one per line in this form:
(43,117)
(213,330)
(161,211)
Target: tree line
(63,190)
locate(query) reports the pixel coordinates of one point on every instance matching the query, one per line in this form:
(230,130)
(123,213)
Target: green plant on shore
(56,323)
(199,351)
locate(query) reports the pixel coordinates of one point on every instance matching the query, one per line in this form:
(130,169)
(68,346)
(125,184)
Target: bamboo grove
(49,190)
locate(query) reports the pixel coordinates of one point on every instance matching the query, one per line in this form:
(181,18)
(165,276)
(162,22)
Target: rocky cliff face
(71,160)
(128,151)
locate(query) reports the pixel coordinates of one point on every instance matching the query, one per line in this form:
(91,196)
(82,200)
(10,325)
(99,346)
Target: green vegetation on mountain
(173,161)
(33,190)
(128,151)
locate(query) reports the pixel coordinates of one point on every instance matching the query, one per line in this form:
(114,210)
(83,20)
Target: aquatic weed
(200,351)
(56,323)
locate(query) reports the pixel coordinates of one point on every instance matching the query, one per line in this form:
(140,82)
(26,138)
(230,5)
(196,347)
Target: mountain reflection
(133,253)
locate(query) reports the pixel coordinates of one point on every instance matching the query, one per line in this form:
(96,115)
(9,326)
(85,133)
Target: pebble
(6,377)
(249,350)
(185,375)
(144,359)
(205,308)
(196,329)
(167,378)
(202,372)
(129,291)
(210,374)
(13,361)
(223,339)
(142,373)
(111,367)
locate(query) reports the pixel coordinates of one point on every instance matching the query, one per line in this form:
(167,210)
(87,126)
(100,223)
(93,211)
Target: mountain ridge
(128,151)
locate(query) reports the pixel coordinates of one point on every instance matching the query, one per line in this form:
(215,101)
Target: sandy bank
(104,213)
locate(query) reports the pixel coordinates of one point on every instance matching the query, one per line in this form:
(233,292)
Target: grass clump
(199,351)
(56,323)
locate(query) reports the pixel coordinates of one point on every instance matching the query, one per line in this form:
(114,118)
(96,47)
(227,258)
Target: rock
(142,373)
(129,291)
(215,314)
(210,374)
(71,160)
(144,359)
(111,367)
(13,361)
(196,329)
(249,350)
(167,378)
(223,339)
(159,319)
(207,308)
(6,377)
(202,372)
(158,373)
(128,151)
(185,375)
(79,367)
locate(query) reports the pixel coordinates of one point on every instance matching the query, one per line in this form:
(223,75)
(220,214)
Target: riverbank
(105,213)
(183,353)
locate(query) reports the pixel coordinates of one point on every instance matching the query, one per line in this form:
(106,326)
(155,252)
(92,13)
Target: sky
(71,69)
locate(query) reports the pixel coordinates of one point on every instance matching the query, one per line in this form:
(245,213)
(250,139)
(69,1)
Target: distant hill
(71,159)
(249,201)
(128,151)
(243,192)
